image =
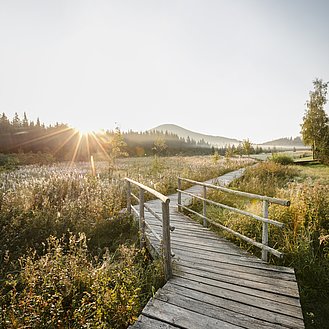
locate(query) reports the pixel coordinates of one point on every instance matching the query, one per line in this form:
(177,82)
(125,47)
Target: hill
(217,141)
(285,142)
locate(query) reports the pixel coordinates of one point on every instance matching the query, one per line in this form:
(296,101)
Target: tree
(315,120)
(246,145)
(159,146)
(117,145)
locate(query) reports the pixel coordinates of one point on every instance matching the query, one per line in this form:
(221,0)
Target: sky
(235,68)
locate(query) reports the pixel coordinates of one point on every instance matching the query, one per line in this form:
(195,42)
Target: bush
(66,288)
(282,159)
(8,161)
(265,178)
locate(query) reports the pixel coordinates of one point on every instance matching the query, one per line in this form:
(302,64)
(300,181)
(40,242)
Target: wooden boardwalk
(216,284)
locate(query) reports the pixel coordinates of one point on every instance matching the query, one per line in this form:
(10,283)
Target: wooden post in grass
(141,218)
(265,231)
(179,200)
(128,197)
(204,210)
(166,240)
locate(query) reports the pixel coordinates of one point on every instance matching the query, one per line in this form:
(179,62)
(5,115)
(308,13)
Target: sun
(86,129)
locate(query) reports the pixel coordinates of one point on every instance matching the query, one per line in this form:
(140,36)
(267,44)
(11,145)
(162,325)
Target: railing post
(179,195)
(128,197)
(204,206)
(265,231)
(166,240)
(141,218)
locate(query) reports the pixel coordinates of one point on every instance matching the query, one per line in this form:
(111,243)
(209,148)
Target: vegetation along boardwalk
(215,284)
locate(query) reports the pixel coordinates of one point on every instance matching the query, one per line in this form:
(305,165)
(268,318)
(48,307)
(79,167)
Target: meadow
(68,253)
(305,237)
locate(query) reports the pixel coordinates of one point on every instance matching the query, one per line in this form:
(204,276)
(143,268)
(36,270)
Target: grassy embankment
(305,237)
(68,257)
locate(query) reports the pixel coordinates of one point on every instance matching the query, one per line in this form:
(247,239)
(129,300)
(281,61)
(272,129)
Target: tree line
(63,143)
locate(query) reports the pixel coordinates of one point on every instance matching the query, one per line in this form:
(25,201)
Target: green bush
(8,161)
(265,178)
(282,159)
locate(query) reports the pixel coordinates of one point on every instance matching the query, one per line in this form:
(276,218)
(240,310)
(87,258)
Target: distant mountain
(216,141)
(285,142)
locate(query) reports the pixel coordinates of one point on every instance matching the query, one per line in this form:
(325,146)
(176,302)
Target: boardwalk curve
(215,284)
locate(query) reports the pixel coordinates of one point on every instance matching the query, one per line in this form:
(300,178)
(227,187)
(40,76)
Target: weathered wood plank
(181,317)
(240,268)
(144,322)
(247,280)
(240,294)
(199,305)
(234,261)
(238,307)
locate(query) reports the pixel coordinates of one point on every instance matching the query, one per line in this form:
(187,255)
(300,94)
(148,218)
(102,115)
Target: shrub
(66,288)
(282,159)
(265,178)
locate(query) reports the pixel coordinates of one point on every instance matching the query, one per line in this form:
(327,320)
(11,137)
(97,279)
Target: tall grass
(68,256)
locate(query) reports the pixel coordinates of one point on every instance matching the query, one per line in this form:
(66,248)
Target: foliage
(8,161)
(159,146)
(246,146)
(315,121)
(65,288)
(60,233)
(265,178)
(282,159)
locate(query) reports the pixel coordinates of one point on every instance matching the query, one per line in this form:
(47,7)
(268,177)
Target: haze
(239,69)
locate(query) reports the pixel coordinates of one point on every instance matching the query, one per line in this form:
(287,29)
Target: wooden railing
(265,220)
(164,219)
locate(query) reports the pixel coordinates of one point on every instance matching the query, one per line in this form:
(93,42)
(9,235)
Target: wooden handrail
(264,219)
(157,194)
(240,193)
(165,220)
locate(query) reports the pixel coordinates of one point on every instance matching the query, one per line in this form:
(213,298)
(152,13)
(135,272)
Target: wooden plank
(240,268)
(145,322)
(285,288)
(234,261)
(239,297)
(181,317)
(267,298)
(199,305)
(181,249)
(236,307)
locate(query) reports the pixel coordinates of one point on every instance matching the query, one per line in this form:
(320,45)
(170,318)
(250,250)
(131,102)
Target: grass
(315,172)
(68,256)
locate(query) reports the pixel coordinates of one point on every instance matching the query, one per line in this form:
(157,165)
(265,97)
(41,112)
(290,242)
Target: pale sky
(234,68)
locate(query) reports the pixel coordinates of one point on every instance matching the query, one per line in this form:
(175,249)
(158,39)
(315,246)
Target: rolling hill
(220,141)
(217,141)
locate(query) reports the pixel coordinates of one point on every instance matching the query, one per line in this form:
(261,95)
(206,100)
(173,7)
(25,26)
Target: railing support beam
(265,231)
(141,218)
(166,240)
(179,200)
(128,198)
(204,210)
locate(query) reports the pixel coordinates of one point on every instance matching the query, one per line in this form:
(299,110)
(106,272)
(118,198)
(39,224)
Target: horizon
(91,132)
(239,70)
